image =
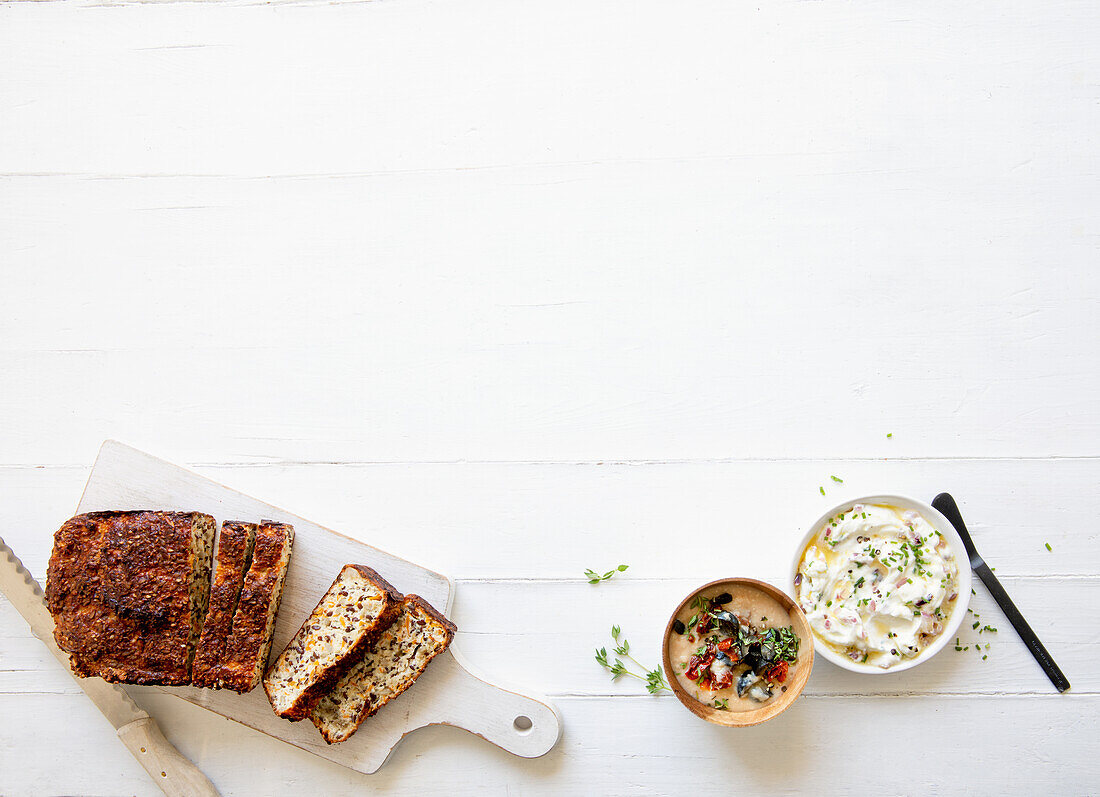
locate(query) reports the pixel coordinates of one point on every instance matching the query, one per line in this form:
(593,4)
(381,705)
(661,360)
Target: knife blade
(170,770)
(950,510)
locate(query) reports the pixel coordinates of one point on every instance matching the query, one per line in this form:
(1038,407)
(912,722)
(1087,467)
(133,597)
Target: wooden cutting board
(448,693)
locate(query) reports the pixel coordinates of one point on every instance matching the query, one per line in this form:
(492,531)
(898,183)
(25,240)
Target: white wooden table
(516,289)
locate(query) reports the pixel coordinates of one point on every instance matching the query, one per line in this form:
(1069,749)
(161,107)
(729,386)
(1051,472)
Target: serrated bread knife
(175,775)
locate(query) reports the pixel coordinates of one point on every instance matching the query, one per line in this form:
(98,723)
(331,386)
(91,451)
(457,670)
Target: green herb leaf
(654,679)
(595,578)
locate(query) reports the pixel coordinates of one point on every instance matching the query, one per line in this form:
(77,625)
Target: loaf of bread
(128,593)
(385,670)
(234,557)
(245,657)
(358,606)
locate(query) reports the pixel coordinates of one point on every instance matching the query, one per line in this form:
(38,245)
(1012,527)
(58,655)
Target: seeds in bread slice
(234,558)
(358,606)
(388,667)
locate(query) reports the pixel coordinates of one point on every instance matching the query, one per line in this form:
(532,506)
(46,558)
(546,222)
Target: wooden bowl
(778,704)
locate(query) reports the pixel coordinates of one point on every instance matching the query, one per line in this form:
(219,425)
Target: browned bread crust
(235,546)
(297,679)
(128,592)
(245,657)
(388,667)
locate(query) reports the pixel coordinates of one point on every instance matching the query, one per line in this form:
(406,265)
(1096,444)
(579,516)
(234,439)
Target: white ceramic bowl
(940,524)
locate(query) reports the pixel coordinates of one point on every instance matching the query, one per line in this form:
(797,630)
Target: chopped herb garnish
(1048,546)
(837,479)
(822,490)
(889,434)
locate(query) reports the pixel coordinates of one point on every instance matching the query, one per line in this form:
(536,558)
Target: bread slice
(245,657)
(128,592)
(358,606)
(233,560)
(388,668)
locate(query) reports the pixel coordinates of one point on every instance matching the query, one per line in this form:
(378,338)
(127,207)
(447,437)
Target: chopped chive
(837,479)
(889,434)
(1048,547)
(822,490)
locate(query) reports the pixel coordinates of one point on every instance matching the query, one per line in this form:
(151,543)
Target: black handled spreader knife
(946,504)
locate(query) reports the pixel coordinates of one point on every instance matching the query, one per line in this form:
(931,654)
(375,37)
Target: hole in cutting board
(522,724)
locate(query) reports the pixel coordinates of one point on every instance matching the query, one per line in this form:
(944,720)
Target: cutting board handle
(522,724)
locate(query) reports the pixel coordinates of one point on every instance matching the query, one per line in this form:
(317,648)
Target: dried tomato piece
(777,672)
(692,671)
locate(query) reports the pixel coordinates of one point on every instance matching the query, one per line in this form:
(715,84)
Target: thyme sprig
(654,679)
(595,578)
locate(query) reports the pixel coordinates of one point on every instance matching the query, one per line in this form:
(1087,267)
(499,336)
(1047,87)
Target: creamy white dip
(877,583)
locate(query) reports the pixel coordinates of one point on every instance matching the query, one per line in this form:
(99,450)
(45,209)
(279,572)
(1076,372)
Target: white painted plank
(614,746)
(553,521)
(198,88)
(315,320)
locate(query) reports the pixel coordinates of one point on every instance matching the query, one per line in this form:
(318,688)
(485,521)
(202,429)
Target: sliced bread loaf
(386,669)
(128,592)
(233,560)
(358,606)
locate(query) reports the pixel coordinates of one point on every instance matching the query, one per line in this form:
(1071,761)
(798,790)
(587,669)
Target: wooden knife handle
(176,776)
